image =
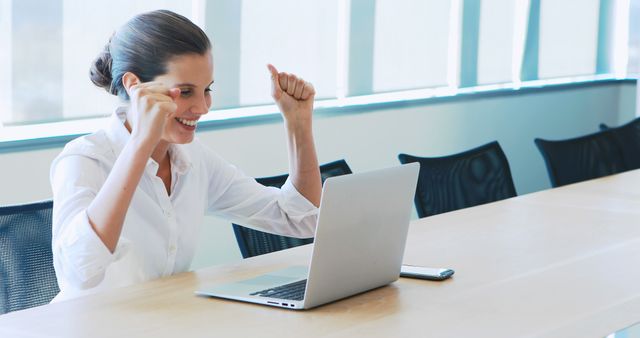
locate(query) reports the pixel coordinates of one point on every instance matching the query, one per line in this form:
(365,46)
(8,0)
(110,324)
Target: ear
(129,80)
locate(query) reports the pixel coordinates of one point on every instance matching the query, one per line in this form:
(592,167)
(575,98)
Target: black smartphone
(421,272)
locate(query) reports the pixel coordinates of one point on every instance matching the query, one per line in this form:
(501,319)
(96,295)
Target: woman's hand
(293,95)
(152,105)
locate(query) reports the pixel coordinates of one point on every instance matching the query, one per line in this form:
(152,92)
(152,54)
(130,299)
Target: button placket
(164,201)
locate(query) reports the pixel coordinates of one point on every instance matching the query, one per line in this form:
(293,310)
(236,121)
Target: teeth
(186,122)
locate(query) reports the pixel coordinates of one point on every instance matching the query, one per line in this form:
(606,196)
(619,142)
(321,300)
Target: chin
(183,140)
(180,139)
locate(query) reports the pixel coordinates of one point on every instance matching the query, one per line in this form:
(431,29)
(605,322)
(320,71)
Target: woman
(129,199)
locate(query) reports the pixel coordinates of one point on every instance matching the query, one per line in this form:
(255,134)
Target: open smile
(189,123)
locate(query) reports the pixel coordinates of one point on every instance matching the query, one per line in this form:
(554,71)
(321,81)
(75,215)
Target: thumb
(174,93)
(276,91)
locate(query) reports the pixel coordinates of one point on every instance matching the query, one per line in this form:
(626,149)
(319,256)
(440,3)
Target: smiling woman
(129,199)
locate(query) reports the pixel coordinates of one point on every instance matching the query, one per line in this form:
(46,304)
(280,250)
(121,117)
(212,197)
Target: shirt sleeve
(80,257)
(240,198)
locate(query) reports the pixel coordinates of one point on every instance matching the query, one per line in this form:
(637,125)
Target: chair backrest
(27,277)
(254,242)
(628,138)
(477,176)
(582,158)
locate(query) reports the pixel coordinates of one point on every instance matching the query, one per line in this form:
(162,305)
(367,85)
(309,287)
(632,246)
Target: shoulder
(208,160)
(200,152)
(93,146)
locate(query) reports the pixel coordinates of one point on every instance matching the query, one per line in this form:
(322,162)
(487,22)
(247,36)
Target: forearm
(303,161)
(108,209)
(294,97)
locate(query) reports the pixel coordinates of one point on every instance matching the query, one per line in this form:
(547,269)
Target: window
(633,34)
(6,89)
(568,38)
(300,40)
(497,40)
(411,44)
(349,49)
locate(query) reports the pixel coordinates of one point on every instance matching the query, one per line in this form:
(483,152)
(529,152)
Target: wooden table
(557,263)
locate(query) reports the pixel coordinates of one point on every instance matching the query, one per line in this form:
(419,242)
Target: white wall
(370,140)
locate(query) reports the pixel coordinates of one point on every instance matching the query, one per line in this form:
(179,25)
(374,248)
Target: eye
(186,92)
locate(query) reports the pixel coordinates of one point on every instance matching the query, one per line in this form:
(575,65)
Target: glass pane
(6,91)
(410,44)
(633,63)
(496,39)
(50,46)
(296,36)
(36,54)
(568,37)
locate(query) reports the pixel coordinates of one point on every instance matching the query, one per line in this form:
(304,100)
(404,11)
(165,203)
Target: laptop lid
(361,233)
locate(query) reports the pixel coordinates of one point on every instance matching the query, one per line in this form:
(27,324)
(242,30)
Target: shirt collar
(117,133)
(180,159)
(118,136)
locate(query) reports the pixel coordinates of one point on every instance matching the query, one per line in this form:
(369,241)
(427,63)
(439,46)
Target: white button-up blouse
(160,231)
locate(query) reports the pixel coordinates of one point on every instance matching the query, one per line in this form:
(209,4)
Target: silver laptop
(359,243)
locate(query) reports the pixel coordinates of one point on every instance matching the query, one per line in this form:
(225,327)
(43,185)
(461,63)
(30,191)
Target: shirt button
(172,249)
(168,213)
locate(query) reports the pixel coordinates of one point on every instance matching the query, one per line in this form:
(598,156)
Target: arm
(151,104)
(295,97)
(108,209)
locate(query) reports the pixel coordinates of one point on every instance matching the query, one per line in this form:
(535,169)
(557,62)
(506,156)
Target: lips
(190,123)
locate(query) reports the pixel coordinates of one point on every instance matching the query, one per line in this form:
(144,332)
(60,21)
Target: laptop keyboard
(291,291)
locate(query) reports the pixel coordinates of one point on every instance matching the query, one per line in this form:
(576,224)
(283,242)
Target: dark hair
(143,46)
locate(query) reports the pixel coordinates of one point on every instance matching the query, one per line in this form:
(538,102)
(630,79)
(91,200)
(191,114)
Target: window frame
(354,91)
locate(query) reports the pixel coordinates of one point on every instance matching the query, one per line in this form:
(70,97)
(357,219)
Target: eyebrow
(191,84)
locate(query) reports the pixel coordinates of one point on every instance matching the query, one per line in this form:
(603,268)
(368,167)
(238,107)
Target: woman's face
(193,75)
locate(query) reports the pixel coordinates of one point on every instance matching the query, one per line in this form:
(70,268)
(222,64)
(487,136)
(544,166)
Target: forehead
(190,68)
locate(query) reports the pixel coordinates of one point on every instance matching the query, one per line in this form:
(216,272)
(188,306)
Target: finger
(133,91)
(299,89)
(276,91)
(170,108)
(148,88)
(283,78)
(154,100)
(174,93)
(291,84)
(309,91)
(154,86)
(304,92)
(274,72)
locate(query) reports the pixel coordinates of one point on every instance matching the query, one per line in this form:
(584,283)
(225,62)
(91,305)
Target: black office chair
(27,277)
(582,158)
(628,138)
(477,176)
(254,242)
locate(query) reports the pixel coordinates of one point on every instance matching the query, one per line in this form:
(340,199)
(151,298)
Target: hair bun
(100,72)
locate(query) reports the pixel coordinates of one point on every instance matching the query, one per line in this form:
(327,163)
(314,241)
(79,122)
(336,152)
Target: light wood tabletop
(558,263)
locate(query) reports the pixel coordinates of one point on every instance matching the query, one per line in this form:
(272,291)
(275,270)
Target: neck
(161,152)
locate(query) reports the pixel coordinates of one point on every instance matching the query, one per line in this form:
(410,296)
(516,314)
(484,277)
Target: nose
(201,105)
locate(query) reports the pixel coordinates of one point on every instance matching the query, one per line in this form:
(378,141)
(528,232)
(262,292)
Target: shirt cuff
(297,206)
(84,253)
